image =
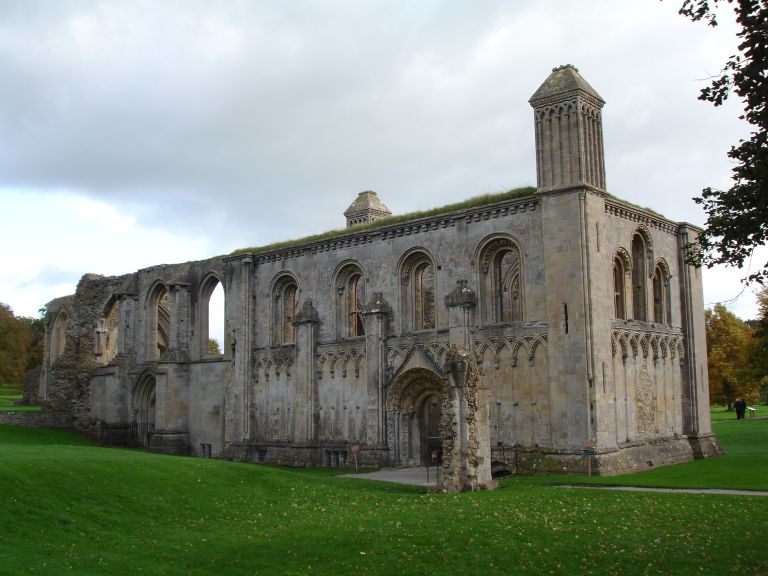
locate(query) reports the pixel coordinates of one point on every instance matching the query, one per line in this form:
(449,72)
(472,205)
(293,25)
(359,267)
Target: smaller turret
(366,208)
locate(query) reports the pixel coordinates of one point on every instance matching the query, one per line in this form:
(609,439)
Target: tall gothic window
(662,312)
(58,339)
(620,310)
(211,311)
(111,332)
(350,286)
(500,281)
(424,296)
(355,300)
(159,321)
(639,277)
(418,293)
(285,306)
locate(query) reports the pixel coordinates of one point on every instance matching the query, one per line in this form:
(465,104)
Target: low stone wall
(326,455)
(37,419)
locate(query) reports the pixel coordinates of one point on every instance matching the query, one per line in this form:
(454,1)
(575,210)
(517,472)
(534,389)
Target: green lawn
(9,393)
(720,413)
(69,507)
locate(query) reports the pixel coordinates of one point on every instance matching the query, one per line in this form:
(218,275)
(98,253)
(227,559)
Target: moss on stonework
(633,205)
(474,202)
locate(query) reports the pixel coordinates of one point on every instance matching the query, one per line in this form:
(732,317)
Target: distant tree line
(736,354)
(21,345)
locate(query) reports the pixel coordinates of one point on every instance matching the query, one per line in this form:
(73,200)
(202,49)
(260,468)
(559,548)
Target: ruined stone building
(586,324)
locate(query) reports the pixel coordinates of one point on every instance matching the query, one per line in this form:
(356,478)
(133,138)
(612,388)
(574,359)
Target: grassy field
(69,507)
(8,395)
(720,413)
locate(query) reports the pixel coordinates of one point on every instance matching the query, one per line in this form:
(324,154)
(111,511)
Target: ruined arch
(499,276)
(210,284)
(58,338)
(284,302)
(349,292)
(413,404)
(418,288)
(108,332)
(158,314)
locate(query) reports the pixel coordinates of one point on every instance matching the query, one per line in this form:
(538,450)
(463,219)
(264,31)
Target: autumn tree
(213,347)
(737,218)
(15,338)
(730,351)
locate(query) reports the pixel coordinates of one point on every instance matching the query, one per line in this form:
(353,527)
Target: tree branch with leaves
(737,218)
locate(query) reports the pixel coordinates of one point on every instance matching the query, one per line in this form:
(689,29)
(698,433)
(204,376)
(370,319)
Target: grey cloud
(260,121)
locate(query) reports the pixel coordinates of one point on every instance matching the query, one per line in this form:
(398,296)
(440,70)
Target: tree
(213,347)
(730,351)
(15,339)
(737,218)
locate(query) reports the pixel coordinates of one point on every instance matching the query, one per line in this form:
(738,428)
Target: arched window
(424,296)
(662,302)
(622,273)
(618,289)
(58,341)
(211,310)
(285,305)
(640,257)
(111,332)
(159,321)
(418,292)
(500,281)
(350,288)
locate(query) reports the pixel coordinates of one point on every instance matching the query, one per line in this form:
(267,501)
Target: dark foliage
(737,218)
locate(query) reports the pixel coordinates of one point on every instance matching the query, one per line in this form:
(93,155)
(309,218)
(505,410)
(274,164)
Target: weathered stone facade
(585,323)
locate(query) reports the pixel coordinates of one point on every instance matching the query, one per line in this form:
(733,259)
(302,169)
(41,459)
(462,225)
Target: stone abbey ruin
(520,329)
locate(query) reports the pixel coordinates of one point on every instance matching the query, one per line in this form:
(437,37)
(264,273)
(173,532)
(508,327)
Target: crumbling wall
(464,426)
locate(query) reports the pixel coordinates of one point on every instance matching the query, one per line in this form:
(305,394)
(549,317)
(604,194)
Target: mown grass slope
(69,507)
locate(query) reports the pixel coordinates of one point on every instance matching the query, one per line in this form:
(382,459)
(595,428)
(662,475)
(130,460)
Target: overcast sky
(144,132)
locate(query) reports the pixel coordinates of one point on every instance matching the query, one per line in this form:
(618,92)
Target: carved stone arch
(515,344)
(418,290)
(284,294)
(653,345)
(634,343)
(664,346)
(349,282)
(157,311)
(144,401)
(536,343)
(413,405)
(644,341)
(499,267)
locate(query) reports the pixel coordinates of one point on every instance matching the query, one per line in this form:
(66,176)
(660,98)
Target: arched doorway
(144,410)
(414,405)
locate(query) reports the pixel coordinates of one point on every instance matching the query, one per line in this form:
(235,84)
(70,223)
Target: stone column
(461,304)
(376,319)
(305,412)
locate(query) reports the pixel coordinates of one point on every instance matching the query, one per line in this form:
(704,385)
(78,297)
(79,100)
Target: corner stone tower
(569,132)
(366,208)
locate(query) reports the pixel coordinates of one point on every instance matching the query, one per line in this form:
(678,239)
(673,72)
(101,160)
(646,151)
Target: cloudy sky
(140,132)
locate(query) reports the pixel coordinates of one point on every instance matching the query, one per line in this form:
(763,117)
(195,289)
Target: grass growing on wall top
(70,507)
(474,202)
